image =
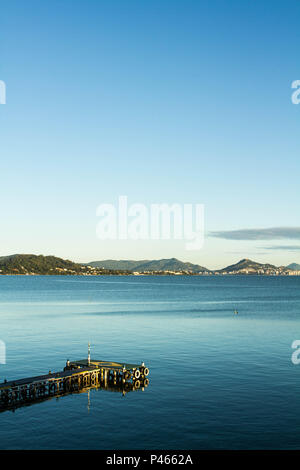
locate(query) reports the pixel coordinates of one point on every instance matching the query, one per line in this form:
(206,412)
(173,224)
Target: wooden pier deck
(45,378)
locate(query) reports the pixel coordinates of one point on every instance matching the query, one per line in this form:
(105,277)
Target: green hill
(117,264)
(38,264)
(48,265)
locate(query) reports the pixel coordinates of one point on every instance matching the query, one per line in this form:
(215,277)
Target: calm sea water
(217,380)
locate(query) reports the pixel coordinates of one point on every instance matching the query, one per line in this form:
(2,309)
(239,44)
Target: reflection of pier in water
(109,386)
(77,377)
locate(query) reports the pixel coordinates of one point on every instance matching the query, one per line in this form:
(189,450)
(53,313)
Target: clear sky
(182,101)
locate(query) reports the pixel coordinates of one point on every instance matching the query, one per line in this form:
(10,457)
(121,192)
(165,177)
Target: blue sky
(162,101)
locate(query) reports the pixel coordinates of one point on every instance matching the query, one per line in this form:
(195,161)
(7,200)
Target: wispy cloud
(275,233)
(248,254)
(282,247)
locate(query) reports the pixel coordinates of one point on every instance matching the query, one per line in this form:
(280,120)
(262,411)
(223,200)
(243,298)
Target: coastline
(157,274)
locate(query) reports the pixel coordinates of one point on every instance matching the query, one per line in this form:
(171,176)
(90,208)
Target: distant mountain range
(244,266)
(294,267)
(171,264)
(49,265)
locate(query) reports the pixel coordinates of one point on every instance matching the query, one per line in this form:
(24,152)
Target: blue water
(217,380)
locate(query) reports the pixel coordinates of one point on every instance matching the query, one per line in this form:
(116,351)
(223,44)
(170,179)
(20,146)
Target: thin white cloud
(275,233)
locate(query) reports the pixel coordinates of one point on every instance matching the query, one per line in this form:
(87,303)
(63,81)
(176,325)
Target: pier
(76,376)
